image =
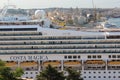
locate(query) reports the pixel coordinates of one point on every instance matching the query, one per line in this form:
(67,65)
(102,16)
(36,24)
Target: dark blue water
(115,21)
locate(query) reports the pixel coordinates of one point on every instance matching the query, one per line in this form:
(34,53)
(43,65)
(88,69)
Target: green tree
(7,74)
(50,73)
(18,73)
(73,75)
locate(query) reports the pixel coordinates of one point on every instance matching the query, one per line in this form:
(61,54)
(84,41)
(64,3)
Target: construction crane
(5,8)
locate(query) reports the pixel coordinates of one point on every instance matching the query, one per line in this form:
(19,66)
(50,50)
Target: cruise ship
(33,45)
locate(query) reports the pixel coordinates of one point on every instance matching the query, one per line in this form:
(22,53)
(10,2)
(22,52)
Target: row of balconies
(30,35)
(74,46)
(52,42)
(60,51)
(27,33)
(19,33)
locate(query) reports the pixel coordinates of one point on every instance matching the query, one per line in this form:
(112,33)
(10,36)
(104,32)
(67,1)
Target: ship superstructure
(33,45)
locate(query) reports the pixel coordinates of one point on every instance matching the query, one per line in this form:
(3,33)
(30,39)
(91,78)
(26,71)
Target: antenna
(93,4)
(94,7)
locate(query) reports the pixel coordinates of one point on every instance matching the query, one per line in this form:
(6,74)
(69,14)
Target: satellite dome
(39,13)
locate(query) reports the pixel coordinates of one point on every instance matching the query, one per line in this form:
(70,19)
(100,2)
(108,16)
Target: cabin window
(94,56)
(18,29)
(78,56)
(69,57)
(118,56)
(89,56)
(113,56)
(74,56)
(99,56)
(65,57)
(109,56)
(6,29)
(113,37)
(104,77)
(25,29)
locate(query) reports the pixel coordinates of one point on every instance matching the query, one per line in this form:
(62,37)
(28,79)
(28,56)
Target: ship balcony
(114,65)
(94,65)
(19,33)
(12,64)
(74,64)
(29,65)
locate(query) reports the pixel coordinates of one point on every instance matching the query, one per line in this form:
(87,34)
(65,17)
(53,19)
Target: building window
(31,73)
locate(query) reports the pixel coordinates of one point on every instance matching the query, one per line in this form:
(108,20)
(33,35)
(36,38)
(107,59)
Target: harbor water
(115,21)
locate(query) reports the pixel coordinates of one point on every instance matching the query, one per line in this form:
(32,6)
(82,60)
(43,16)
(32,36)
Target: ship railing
(37,39)
(61,46)
(59,51)
(35,36)
(77,46)
(19,33)
(113,67)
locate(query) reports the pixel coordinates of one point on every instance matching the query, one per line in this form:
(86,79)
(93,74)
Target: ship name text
(21,58)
